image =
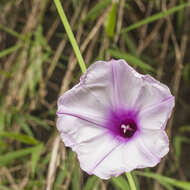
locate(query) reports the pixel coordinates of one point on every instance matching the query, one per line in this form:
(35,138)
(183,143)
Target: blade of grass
(20,137)
(90,183)
(130,44)
(111,21)
(10,31)
(180,18)
(10,50)
(61,174)
(178,140)
(70,35)
(186,72)
(76,178)
(120,183)
(2,187)
(131,181)
(35,156)
(37,120)
(25,127)
(155,17)
(2,120)
(166,185)
(95,11)
(6,158)
(130,58)
(174,182)
(185,128)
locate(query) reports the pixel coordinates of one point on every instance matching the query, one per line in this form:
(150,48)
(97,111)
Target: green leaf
(120,182)
(131,59)
(6,158)
(185,128)
(186,72)
(162,179)
(155,17)
(61,174)
(70,35)
(76,177)
(10,50)
(37,121)
(178,140)
(166,185)
(111,21)
(35,156)
(2,121)
(90,183)
(180,18)
(130,44)
(25,127)
(20,137)
(2,187)
(95,11)
(10,31)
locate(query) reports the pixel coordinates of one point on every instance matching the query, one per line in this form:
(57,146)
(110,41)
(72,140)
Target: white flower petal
(156,116)
(75,130)
(157,143)
(127,83)
(112,165)
(81,103)
(136,155)
(93,155)
(152,92)
(115,83)
(93,144)
(144,151)
(99,81)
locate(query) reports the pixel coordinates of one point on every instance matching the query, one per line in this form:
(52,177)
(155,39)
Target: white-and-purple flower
(114,119)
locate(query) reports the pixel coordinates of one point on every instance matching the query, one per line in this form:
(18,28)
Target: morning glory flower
(114,119)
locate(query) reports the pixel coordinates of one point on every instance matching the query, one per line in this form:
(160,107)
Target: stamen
(124,127)
(128,129)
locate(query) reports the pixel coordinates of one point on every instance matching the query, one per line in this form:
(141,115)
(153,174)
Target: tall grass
(38,63)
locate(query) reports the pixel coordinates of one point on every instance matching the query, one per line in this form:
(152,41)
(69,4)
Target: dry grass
(37,64)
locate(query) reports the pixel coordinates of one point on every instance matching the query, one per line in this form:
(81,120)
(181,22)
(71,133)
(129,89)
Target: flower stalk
(131,181)
(70,35)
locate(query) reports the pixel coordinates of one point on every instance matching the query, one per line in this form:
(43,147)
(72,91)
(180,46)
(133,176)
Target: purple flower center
(128,130)
(123,123)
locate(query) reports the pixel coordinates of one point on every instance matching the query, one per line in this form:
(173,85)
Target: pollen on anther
(125,128)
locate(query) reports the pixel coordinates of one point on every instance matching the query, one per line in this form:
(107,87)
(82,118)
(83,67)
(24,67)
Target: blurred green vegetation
(37,64)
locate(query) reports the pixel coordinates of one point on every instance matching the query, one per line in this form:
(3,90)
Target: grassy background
(37,65)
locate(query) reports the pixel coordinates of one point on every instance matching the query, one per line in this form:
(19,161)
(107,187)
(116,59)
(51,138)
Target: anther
(126,128)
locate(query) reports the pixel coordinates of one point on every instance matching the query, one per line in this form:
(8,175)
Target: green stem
(131,181)
(70,34)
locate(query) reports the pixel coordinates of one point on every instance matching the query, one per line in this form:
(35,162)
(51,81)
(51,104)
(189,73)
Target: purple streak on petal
(156,116)
(140,93)
(88,140)
(103,158)
(128,83)
(160,85)
(156,143)
(151,92)
(165,101)
(116,93)
(93,121)
(90,91)
(148,153)
(98,79)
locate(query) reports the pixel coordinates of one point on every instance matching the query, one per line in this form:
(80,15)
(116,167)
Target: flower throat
(128,130)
